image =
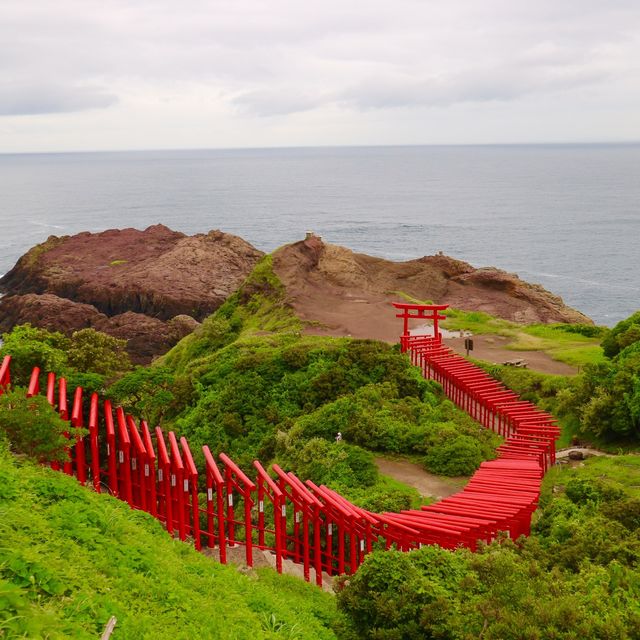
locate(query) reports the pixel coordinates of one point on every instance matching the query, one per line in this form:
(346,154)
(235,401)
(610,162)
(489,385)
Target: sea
(564,216)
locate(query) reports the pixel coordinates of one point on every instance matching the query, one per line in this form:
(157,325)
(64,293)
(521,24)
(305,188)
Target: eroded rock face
(158,272)
(48,311)
(349,293)
(146,336)
(152,287)
(97,280)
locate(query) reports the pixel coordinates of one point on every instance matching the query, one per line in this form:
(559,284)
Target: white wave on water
(592,283)
(45,225)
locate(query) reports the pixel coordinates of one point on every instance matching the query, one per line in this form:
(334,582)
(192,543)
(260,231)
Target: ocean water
(564,216)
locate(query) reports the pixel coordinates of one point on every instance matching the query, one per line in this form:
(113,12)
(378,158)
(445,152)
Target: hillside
(247,381)
(70,559)
(341,292)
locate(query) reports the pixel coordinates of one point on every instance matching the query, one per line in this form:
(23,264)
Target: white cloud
(255,72)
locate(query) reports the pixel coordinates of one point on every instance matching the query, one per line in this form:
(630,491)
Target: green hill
(70,559)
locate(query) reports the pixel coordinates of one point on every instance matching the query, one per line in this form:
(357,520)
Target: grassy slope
(69,559)
(566,346)
(621,472)
(554,339)
(254,332)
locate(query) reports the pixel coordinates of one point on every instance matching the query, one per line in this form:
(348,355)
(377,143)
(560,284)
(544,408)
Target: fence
(219,506)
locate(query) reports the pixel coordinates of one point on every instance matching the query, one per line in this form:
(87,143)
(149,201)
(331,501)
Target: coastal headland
(154,286)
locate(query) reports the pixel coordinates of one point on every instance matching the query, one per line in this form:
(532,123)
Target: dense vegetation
(247,382)
(70,559)
(602,403)
(87,358)
(576,577)
(30,426)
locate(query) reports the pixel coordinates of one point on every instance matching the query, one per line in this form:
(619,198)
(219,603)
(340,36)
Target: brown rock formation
(349,293)
(98,280)
(49,312)
(151,287)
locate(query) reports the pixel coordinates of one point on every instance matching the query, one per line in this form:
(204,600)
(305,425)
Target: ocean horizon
(566,216)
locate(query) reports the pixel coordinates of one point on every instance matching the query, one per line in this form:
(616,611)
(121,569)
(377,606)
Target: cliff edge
(128,283)
(349,293)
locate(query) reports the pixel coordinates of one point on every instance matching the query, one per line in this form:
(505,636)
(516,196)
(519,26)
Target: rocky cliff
(127,283)
(349,293)
(152,287)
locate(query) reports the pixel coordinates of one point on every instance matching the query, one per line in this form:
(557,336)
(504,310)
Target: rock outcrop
(349,293)
(127,283)
(152,287)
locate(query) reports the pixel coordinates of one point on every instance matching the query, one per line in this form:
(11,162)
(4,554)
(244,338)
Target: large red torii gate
(419,312)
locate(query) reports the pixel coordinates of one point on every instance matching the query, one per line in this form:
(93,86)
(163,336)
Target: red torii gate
(419,312)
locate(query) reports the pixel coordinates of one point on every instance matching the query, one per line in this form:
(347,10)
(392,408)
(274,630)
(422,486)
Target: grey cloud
(42,99)
(509,82)
(401,91)
(274,102)
(233,62)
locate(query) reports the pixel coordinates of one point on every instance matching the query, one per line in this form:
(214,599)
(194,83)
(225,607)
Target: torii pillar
(419,312)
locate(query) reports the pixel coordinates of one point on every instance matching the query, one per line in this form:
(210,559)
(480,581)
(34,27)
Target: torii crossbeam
(419,312)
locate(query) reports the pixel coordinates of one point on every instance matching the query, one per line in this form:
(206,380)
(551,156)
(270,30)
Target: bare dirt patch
(348,293)
(341,293)
(492,348)
(427,484)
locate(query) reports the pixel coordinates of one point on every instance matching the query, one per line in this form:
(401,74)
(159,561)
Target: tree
(93,351)
(625,333)
(32,427)
(86,351)
(151,392)
(30,347)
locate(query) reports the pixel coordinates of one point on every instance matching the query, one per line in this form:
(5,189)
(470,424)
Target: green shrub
(30,347)
(575,577)
(32,427)
(86,351)
(96,352)
(625,333)
(458,456)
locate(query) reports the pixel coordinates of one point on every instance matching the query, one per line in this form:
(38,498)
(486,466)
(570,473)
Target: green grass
(477,322)
(70,559)
(35,253)
(618,472)
(561,342)
(115,263)
(256,309)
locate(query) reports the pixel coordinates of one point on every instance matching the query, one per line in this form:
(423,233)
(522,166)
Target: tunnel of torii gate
(311,524)
(410,311)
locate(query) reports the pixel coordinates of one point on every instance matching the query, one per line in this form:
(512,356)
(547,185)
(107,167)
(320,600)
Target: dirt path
(415,476)
(491,348)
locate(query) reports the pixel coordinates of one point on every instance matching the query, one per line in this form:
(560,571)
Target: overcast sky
(108,74)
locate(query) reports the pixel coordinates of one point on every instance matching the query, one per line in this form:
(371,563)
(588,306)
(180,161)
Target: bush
(325,462)
(586,330)
(32,427)
(86,351)
(93,351)
(30,347)
(625,333)
(459,456)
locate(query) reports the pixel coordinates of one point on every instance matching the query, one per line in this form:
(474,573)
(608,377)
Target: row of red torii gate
(219,506)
